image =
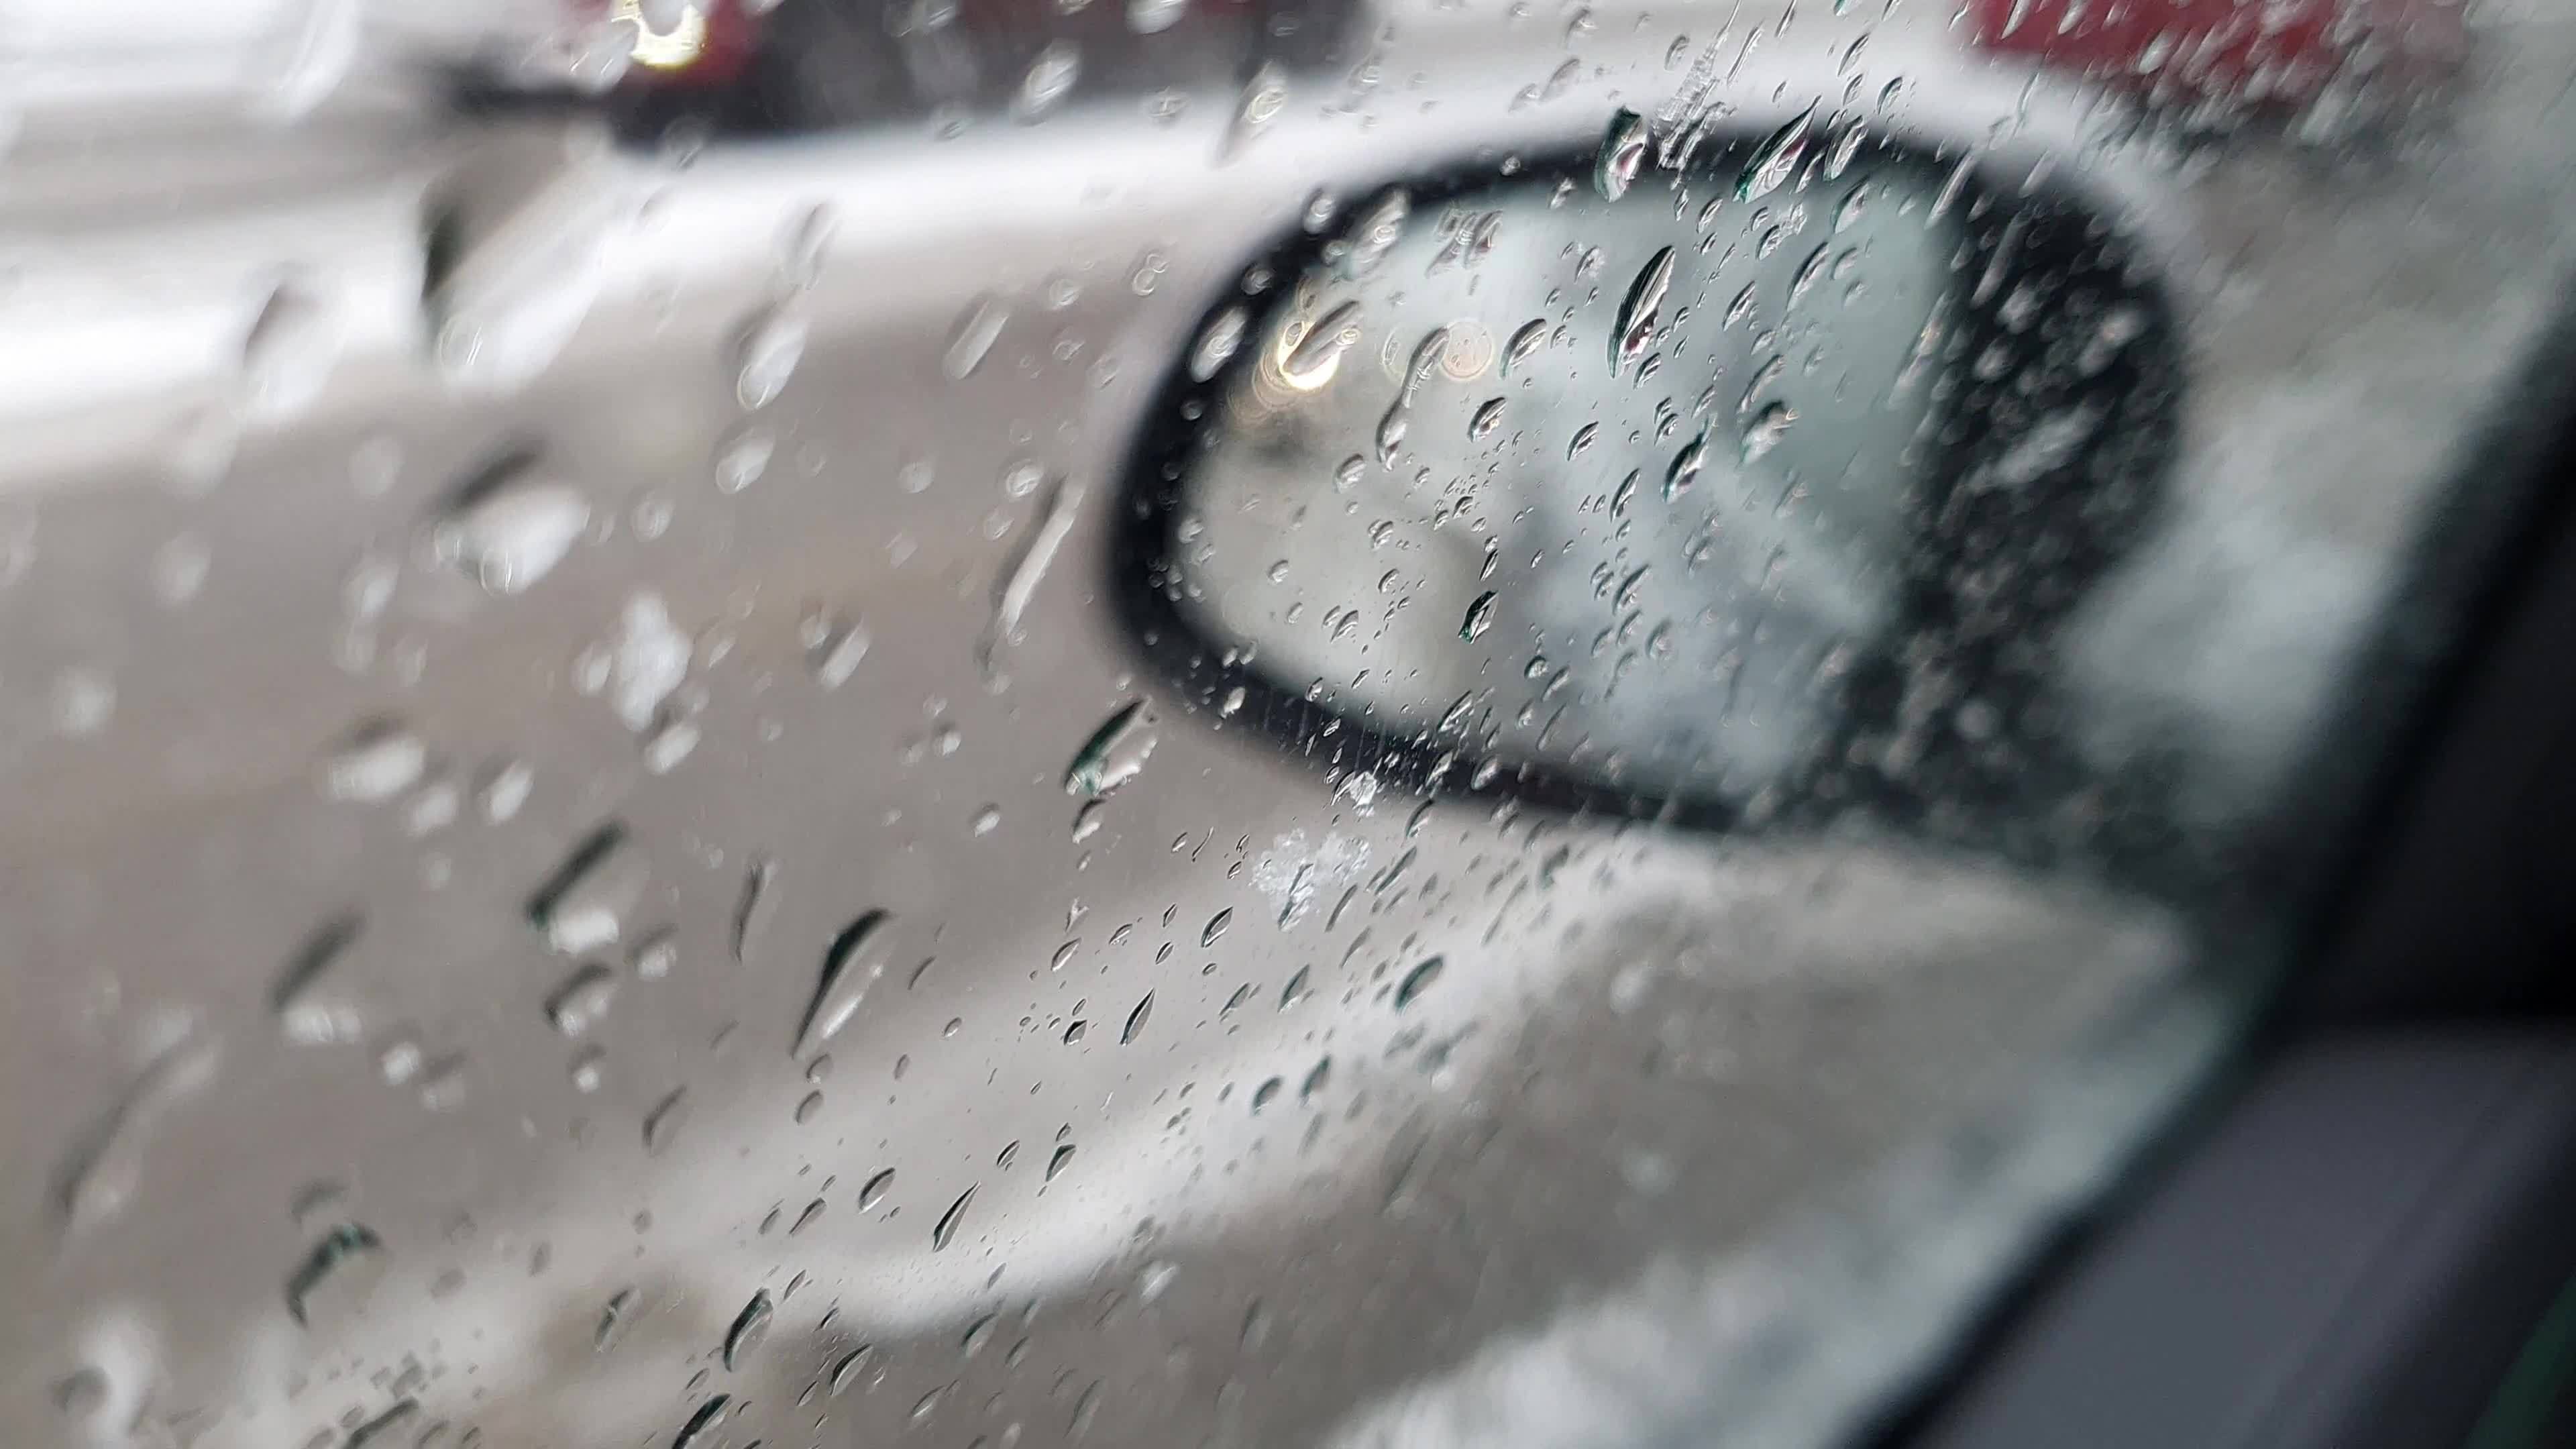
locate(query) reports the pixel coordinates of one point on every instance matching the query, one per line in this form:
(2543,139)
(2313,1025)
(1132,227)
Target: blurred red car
(2259,52)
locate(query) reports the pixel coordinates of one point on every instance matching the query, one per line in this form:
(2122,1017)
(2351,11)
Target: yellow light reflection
(672,49)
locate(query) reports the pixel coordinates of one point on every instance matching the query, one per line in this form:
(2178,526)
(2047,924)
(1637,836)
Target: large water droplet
(1318,354)
(744,458)
(1115,754)
(312,1009)
(1136,1020)
(1488,416)
(582,1000)
(1374,233)
(945,1229)
(336,1263)
(1218,343)
(1766,430)
(767,356)
(1019,583)
(1418,980)
(378,762)
(1048,81)
(1634,328)
(849,969)
(700,1430)
(974,336)
(614,1319)
(1685,467)
(646,662)
(1153,17)
(511,527)
(662,1124)
(1776,158)
(1623,150)
(749,1328)
(1480,617)
(289,352)
(1264,96)
(874,1190)
(104,1166)
(751,909)
(1524,345)
(583,905)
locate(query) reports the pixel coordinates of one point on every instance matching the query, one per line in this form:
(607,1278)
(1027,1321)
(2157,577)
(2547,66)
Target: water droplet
(288,353)
(840,654)
(849,1367)
(1263,1095)
(751,908)
(613,1320)
(307,1008)
(699,1431)
(1417,981)
(1524,344)
(1019,583)
(1488,417)
(767,356)
(805,245)
(330,1259)
(974,336)
(664,1121)
(81,1393)
(1776,158)
(749,1327)
(1136,1020)
(511,526)
(1048,81)
(1623,150)
(669,745)
(582,907)
(1115,754)
(104,1166)
(582,1000)
(1155,1279)
(875,1189)
(945,1229)
(648,660)
(843,984)
(401,1059)
(1374,233)
(1218,343)
(1685,467)
(589,1069)
(1153,17)
(443,1083)
(1480,617)
(1634,327)
(744,457)
(1317,356)
(381,1428)
(378,762)
(1062,1159)
(1265,95)
(1215,927)
(506,789)
(1767,428)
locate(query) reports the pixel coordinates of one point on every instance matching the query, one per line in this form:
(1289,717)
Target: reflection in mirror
(1760,491)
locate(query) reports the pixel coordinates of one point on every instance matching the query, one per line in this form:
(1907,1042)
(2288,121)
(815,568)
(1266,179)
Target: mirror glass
(1762,485)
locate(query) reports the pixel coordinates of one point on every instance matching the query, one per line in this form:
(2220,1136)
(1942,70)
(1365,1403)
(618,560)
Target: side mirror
(1748,491)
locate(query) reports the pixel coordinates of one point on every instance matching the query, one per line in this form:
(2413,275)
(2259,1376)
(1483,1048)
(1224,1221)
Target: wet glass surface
(707,743)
